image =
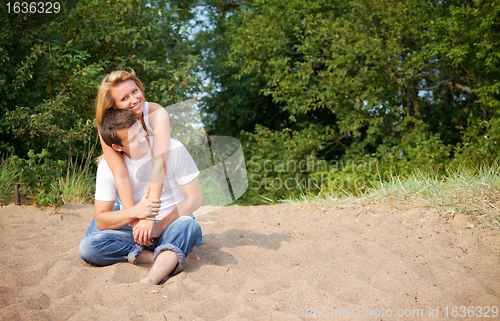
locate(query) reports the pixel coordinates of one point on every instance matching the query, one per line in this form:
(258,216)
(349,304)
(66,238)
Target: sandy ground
(283,262)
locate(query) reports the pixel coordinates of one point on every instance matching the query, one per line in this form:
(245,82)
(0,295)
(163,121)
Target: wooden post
(17,197)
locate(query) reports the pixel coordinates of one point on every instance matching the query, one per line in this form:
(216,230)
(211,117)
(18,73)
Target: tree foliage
(50,69)
(361,87)
(410,84)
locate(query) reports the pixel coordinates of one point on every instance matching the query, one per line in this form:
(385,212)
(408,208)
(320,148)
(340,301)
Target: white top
(181,169)
(145,116)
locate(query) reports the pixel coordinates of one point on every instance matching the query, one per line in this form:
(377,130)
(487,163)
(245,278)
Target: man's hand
(143,232)
(157,230)
(147,208)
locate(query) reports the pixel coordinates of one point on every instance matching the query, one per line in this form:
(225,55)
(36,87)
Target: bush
(36,176)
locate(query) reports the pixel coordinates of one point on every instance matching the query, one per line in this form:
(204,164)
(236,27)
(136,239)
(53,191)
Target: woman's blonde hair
(104,101)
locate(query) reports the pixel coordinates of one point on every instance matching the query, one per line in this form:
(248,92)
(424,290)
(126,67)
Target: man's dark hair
(114,120)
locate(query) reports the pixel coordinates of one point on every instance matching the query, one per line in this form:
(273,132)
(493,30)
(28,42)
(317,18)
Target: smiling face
(127,95)
(135,143)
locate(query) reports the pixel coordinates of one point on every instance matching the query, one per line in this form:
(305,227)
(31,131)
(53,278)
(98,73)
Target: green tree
(51,66)
(51,70)
(232,102)
(410,83)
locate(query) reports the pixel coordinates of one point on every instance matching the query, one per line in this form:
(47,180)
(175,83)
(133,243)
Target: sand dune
(282,262)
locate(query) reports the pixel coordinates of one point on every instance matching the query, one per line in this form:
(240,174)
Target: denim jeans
(112,246)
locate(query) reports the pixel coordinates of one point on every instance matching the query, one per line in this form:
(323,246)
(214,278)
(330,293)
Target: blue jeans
(112,246)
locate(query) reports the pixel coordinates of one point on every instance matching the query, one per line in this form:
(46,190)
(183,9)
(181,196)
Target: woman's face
(127,95)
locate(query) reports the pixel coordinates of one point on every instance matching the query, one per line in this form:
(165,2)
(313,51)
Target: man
(166,233)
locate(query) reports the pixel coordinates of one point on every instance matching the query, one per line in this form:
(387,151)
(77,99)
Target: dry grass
(470,191)
(473,192)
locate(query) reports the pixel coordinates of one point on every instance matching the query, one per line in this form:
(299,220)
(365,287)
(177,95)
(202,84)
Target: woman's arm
(120,173)
(160,123)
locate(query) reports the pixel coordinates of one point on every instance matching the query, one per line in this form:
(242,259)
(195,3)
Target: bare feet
(192,256)
(164,264)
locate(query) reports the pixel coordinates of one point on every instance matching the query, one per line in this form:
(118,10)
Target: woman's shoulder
(156,115)
(153,107)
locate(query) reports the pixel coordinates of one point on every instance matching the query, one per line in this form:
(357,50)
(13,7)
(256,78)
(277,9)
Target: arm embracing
(120,173)
(107,219)
(160,123)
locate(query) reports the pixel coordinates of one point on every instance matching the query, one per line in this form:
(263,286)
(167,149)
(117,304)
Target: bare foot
(192,256)
(164,264)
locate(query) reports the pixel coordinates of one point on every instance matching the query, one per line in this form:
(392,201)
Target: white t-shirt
(181,169)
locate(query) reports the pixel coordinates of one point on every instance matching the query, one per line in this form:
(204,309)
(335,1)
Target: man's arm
(191,202)
(107,219)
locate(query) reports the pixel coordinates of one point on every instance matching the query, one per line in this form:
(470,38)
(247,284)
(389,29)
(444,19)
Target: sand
(281,262)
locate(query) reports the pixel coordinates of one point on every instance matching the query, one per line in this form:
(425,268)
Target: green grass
(308,197)
(470,191)
(78,185)
(8,177)
(214,190)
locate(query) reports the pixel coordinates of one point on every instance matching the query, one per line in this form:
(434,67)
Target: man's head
(124,133)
